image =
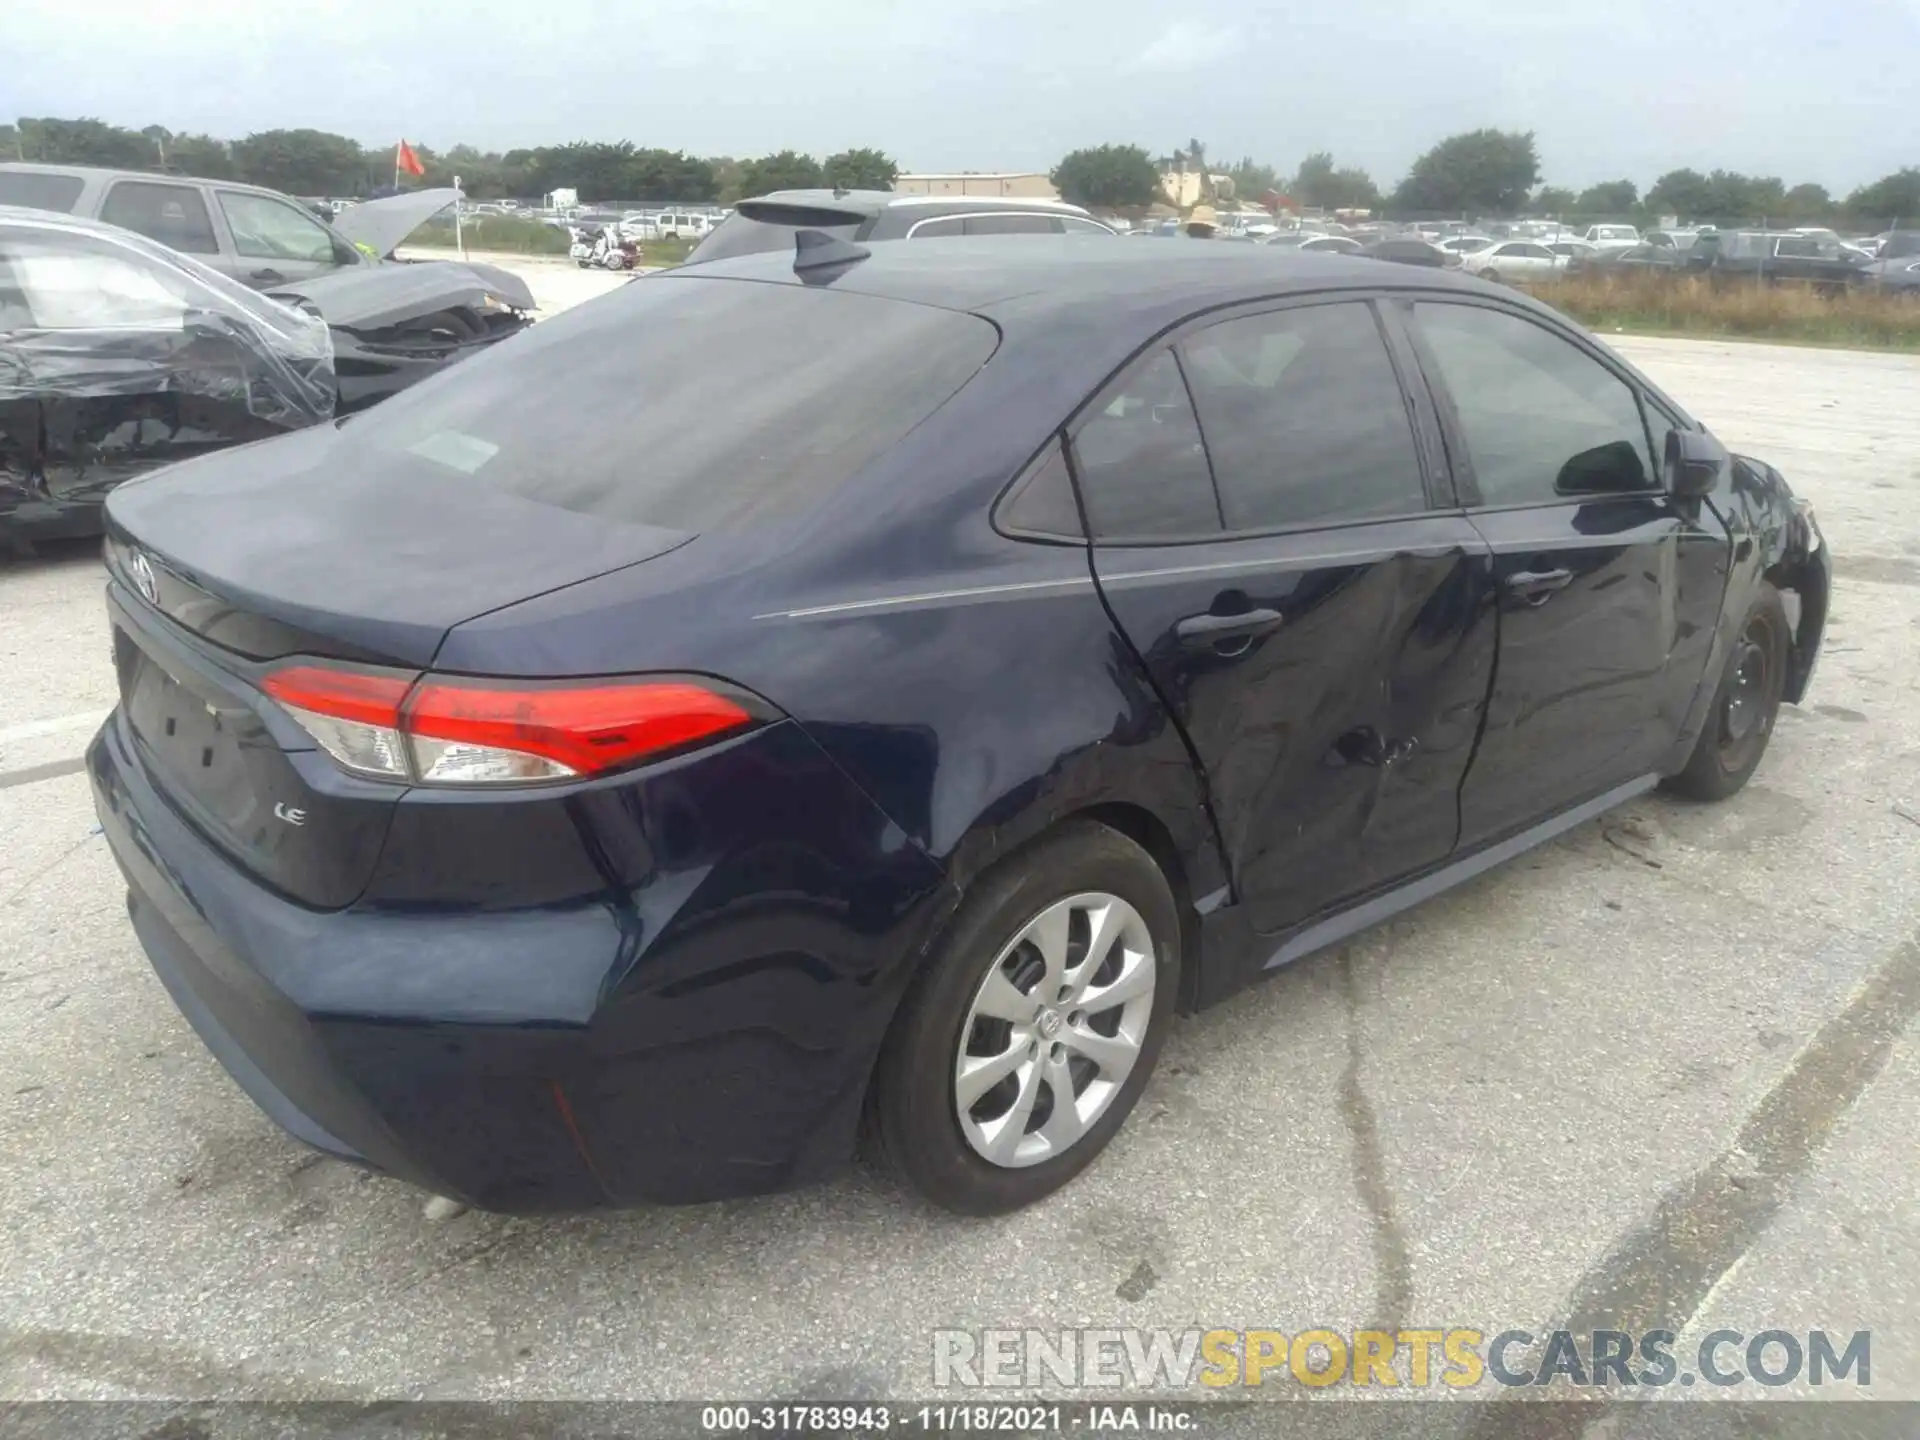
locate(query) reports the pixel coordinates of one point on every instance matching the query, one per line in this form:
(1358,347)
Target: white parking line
(58,725)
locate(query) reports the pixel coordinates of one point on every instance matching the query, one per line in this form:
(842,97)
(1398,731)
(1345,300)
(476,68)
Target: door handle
(1535,587)
(267,275)
(1202,631)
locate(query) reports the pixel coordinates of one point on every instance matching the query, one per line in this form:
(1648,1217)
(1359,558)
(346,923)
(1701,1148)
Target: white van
(682,225)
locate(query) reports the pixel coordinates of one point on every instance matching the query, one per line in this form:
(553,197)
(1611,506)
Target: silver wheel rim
(1054,1030)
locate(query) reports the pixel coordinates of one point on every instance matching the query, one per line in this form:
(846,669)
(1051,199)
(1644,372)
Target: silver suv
(768,221)
(258,237)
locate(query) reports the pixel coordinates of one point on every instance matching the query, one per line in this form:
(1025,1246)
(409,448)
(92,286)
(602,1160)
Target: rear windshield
(739,235)
(39,192)
(681,402)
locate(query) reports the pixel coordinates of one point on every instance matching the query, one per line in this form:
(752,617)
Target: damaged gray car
(393,321)
(119,356)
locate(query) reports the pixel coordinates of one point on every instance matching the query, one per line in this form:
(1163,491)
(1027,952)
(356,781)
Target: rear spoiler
(806,217)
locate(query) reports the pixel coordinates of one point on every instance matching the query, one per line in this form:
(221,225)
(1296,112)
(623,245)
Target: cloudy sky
(1804,89)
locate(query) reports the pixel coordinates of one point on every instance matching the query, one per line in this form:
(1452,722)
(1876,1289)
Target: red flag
(405,159)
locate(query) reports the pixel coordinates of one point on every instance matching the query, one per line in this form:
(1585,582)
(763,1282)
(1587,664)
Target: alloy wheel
(1054,1029)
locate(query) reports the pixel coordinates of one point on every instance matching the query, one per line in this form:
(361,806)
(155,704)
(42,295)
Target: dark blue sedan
(852,691)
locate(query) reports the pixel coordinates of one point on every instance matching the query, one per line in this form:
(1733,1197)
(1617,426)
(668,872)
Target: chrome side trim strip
(931,597)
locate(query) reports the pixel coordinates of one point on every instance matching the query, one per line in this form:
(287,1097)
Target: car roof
(106,173)
(1030,278)
(872,202)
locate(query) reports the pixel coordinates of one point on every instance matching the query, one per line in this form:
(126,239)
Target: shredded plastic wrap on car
(93,311)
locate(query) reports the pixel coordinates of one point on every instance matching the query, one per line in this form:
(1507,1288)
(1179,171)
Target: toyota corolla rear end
(533,938)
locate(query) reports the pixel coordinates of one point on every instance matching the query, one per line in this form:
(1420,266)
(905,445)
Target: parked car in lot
(1662,259)
(1682,239)
(393,321)
(1611,237)
(768,222)
(1510,261)
(958,689)
(118,356)
(1858,251)
(1316,244)
(1901,273)
(1773,256)
(1411,250)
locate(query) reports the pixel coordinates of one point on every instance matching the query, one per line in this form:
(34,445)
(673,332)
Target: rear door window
(1142,467)
(1304,418)
(175,215)
(1011,225)
(940,229)
(40,192)
(769,397)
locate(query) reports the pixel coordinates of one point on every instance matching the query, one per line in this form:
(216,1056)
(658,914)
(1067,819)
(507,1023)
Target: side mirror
(1695,462)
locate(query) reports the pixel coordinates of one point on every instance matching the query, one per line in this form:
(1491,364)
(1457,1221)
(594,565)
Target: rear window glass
(684,403)
(39,192)
(175,215)
(740,235)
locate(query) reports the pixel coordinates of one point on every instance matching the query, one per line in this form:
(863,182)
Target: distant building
(1025,184)
(1183,188)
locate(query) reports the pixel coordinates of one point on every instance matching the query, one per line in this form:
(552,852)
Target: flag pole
(459,234)
(396,166)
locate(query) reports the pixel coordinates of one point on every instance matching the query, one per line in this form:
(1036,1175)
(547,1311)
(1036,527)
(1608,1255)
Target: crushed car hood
(380,225)
(370,297)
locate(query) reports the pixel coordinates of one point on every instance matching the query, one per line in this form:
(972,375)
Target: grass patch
(495,232)
(665,252)
(1692,305)
(507,234)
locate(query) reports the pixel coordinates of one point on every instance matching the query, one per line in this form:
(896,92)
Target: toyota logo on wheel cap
(141,569)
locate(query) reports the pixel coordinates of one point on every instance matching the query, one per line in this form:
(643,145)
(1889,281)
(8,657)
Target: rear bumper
(694,1042)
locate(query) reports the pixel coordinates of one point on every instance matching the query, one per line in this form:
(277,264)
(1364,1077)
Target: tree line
(316,163)
(1481,172)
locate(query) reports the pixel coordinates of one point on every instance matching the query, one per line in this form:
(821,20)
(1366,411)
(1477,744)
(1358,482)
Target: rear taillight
(459,730)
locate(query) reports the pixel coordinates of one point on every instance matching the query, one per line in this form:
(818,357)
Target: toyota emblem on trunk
(142,571)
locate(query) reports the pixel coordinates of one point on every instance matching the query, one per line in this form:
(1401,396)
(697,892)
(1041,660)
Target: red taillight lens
(577,730)
(356,695)
(354,715)
(455,730)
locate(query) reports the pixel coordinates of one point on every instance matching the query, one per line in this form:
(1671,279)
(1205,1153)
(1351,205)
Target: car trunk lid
(269,551)
(246,558)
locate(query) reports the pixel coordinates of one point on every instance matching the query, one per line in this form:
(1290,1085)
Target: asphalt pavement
(1662,1073)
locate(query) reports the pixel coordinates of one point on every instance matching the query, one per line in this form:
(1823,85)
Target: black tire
(914,1127)
(1490,274)
(1746,703)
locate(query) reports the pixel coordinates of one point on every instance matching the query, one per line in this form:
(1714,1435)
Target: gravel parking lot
(1663,1072)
